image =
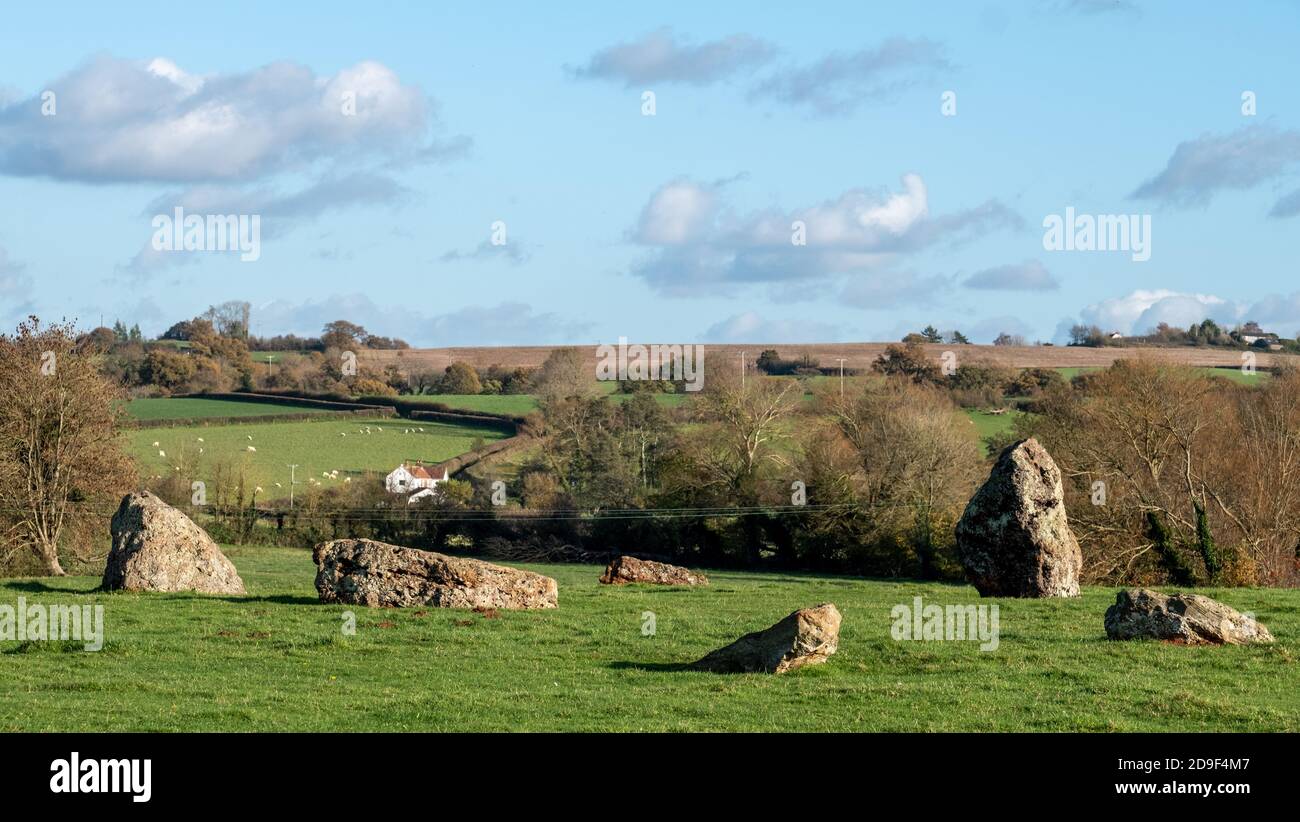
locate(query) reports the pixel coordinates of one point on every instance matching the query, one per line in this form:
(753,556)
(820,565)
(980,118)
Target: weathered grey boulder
(807,637)
(157,548)
(624,570)
(376,574)
(1140,613)
(1014,539)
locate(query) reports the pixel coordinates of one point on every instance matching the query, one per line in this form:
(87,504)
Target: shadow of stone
(629,665)
(36,587)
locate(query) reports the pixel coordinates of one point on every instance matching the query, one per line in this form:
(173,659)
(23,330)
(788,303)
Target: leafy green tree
(343,335)
(909,361)
(461,378)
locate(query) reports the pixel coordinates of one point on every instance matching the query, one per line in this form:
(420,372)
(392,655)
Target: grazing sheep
(161,453)
(250,448)
(200,439)
(155,445)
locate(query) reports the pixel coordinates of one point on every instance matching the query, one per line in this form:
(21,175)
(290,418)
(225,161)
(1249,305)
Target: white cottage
(407,478)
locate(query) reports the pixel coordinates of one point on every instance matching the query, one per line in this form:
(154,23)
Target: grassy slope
(180,408)
(314,445)
(277,660)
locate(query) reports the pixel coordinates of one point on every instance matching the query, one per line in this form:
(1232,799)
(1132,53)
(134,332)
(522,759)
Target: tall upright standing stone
(158,548)
(1014,539)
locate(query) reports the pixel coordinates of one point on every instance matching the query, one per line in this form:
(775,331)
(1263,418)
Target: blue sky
(673,227)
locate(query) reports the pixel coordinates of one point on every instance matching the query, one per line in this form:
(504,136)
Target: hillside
(856,355)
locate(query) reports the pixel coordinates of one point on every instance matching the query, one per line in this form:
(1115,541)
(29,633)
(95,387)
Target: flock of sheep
(329,475)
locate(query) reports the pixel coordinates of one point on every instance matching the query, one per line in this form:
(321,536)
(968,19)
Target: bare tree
(915,465)
(60,455)
(566,373)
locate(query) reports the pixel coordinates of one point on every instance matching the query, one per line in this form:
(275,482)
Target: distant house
(1263,339)
(1115,335)
(406,479)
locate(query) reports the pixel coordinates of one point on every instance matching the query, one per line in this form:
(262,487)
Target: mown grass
(193,408)
(277,660)
(316,446)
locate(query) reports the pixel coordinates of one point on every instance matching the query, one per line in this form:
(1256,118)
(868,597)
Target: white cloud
(1139,311)
(279,212)
(513,252)
(1277,313)
(840,83)
(1201,168)
(677,213)
(985,331)
(698,245)
(1031,275)
(507,323)
(750,327)
(122,120)
(893,288)
(663,57)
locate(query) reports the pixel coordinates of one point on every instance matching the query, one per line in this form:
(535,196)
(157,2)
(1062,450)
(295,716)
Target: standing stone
(376,574)
(807,637)
(1140,613)
(157,548)
(1014,539)
(624,570)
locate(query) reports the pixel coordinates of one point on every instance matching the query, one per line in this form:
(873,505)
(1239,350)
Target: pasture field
(988,425)
(193,408)
(1234,374)
(316,446)
(277,660)
(520,405)
(517,405)
(275,357)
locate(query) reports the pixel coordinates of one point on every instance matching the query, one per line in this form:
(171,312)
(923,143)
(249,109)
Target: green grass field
(522,404)
(274,357)
(1234,374)
(988,425)
(278,660)
(183,408)
(514,404)
(316,446)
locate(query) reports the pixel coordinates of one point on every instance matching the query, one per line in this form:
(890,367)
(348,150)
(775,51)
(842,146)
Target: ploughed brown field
(856,355)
